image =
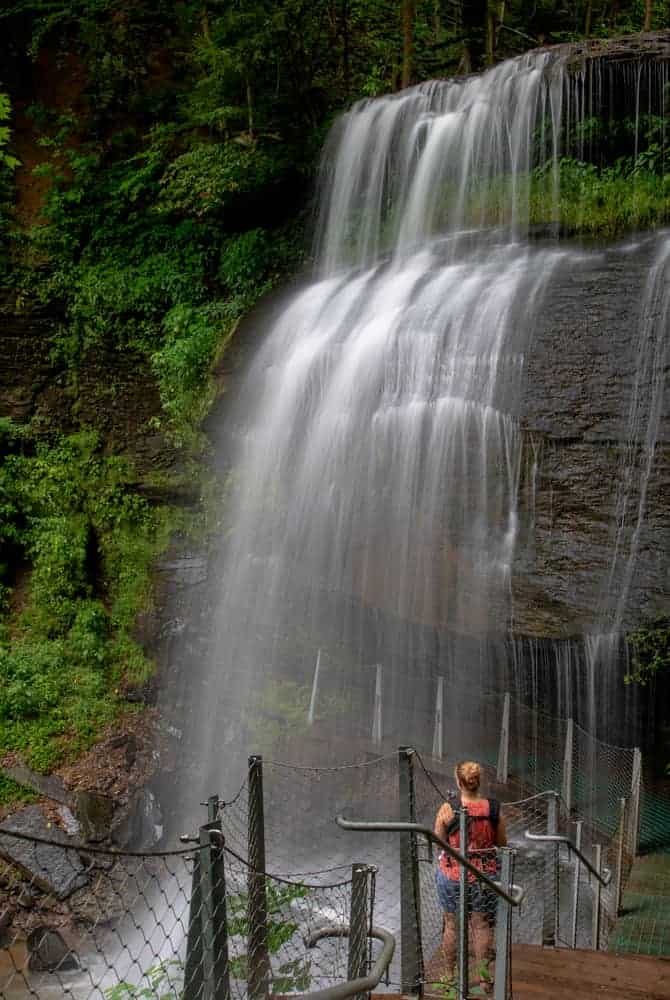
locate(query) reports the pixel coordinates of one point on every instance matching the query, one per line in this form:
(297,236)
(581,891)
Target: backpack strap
(455,803)
(452,826)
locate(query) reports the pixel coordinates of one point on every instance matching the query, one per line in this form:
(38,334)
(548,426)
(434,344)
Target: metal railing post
(358,925)
(502,770)
(566,787)
(575,887)
(597,899)
(551,909)
(635,795)
(212,808)
(193,973)
(315,688)
(503,929)
(438,730)
(258,958)
(214,931)
(463,978)
(377,729)
(620,855)
(411,955)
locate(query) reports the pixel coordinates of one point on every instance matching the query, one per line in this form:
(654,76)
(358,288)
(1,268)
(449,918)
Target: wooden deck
(562,974)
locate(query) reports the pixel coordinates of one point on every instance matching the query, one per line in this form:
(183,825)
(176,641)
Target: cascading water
(376,486)
(643,424)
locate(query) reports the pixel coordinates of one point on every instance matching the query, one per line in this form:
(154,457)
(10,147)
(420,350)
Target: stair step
(562,974)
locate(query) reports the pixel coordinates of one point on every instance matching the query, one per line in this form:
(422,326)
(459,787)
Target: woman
(486,831)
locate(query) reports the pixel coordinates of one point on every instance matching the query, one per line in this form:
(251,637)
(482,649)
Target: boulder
(94,812)
(53,867)
(141,823)
(48,785)
(49,952)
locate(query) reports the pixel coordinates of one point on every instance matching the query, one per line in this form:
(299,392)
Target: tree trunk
(204,23)
(490,36)
(407,42)
(587,19)
(250,110)
(346,68)
(647,15)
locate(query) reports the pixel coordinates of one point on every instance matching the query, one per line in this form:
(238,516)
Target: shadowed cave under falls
(448,452)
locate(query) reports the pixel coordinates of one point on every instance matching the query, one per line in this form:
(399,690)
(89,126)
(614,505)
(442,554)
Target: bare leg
(482,934)
(449,942)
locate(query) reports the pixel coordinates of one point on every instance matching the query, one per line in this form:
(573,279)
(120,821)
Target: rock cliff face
(113,392)
(580,375)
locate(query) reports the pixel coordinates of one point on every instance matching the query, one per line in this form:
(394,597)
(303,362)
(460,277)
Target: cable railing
(235,913)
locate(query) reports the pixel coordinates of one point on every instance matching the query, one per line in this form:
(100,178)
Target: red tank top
(481,842)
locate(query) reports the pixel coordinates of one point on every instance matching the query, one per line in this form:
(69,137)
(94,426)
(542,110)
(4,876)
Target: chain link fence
(80,921)
(249,900)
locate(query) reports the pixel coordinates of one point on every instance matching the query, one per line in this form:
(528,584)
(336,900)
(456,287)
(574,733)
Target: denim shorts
(480,898)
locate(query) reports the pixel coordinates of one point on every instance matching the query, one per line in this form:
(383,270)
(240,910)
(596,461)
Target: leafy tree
(649,646)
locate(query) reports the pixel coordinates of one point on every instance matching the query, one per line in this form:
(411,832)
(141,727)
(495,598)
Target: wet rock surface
(49,952)
(578,383)
(47,866)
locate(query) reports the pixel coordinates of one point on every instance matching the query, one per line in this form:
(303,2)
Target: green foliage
(649,647)
(88,540)
(7,161)
(446,986)
(163,982)
(291,976)
(211,177)
(587,200)
(11,792)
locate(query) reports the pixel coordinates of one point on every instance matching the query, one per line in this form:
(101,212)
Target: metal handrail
(556,838)
(513,899)
(353,986)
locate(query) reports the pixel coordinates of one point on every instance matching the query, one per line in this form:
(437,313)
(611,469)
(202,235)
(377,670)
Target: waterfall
(375,504)
(650,358)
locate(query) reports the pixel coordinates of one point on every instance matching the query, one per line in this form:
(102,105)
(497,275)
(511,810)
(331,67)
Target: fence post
(551,909)
(377,709)
(566,790)
(502,771)
(596,901)
(315,689)
(620,855)
(358,925)
(193,972)
(258,974)
(212,808)
(636,785)
(411,956)
(503,928)
(438,732)
(575,888)
(214,931)
(463,978)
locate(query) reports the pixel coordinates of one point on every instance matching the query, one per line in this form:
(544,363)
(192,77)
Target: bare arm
(444,816)
(501,833)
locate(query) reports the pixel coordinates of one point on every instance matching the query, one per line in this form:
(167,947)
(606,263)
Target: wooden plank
(585,975)
(562,974)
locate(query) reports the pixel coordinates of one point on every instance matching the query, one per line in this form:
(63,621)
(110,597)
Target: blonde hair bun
(469,775)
